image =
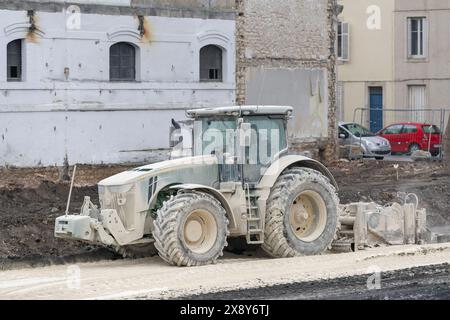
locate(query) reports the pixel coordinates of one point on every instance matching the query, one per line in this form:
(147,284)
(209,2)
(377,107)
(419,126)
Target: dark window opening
(339,46)
(417,37)
(211,64)
(122,62)
(14,60)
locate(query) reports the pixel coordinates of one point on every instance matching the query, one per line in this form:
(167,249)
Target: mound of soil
(31,199)
(368,181)
(27,220)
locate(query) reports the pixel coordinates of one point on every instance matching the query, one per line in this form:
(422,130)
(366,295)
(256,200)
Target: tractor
(235,179)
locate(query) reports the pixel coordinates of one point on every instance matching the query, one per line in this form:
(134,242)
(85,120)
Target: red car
(410,137)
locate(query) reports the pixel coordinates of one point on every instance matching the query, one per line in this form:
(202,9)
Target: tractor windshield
(216,135)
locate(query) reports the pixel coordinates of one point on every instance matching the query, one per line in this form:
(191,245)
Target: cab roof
(241,111)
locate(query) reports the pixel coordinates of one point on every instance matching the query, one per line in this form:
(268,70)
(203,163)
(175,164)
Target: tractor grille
(123,203)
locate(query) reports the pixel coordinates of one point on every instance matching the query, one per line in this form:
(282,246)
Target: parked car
(372,145)
(408,137)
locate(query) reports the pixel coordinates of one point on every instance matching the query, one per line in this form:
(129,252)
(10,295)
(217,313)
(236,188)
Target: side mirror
(245,135)
(342,136)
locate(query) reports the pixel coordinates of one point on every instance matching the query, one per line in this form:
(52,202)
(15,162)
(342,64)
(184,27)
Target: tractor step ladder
(255,227)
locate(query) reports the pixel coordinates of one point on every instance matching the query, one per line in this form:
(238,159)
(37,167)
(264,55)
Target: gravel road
(153,279)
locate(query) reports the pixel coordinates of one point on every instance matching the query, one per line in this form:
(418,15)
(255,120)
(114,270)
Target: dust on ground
(152,278)
(31,199)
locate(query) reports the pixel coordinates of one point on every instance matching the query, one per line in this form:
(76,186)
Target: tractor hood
(156,169)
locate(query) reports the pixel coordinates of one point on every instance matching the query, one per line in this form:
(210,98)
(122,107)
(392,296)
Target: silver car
(372,145)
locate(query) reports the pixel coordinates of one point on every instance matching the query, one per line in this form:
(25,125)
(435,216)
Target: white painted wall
(44,118)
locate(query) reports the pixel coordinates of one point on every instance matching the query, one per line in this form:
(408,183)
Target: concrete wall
(286,57)
(434,70)
(81,115)
(371,60)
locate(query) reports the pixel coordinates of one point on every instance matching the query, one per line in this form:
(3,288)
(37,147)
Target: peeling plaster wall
(306,89)
(85,116)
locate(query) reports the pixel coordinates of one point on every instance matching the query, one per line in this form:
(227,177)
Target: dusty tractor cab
(233,177)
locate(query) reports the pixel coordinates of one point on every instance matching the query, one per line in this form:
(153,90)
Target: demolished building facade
(98,82)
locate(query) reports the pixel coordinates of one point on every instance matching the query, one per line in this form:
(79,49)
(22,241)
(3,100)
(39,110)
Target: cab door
(268,142)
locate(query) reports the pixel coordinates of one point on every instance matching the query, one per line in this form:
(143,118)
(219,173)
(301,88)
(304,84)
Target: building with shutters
(393,54)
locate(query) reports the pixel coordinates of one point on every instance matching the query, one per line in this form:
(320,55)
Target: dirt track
(153,279)
(32,198)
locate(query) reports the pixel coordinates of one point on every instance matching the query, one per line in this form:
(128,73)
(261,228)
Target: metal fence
(406,130)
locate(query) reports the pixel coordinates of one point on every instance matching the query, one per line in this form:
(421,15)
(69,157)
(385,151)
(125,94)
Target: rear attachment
(368,225)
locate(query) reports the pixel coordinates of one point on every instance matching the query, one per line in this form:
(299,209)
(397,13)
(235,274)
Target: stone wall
(297,39)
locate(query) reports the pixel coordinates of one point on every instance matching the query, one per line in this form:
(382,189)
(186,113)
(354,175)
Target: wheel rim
(308,216)
(414,148)
(200,231)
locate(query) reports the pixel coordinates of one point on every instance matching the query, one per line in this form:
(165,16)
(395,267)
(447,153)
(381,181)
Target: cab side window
(269,136)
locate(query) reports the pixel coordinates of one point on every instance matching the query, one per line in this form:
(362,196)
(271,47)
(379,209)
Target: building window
(343,41)
(211,64)
(122,62)
(417,34)
(14,60)
(417,102)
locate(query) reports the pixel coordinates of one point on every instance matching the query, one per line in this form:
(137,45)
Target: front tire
(191,230)
(302,215)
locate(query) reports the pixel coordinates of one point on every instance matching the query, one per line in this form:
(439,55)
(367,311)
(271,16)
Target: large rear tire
(302,214)
(191,229)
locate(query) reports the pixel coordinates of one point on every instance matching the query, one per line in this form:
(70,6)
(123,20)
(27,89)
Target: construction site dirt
(31,199)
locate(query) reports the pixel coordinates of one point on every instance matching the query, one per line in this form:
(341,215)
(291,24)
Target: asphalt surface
(424,283)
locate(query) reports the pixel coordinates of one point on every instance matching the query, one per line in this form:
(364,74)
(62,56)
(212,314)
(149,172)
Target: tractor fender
(211,191)
(278,167)
(283,163)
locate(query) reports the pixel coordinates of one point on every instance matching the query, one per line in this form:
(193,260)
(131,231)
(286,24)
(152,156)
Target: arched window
(211,64)
(122,62)
(14,60)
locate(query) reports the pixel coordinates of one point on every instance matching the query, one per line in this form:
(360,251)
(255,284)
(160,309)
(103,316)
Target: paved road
(422,283)
(151,278)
